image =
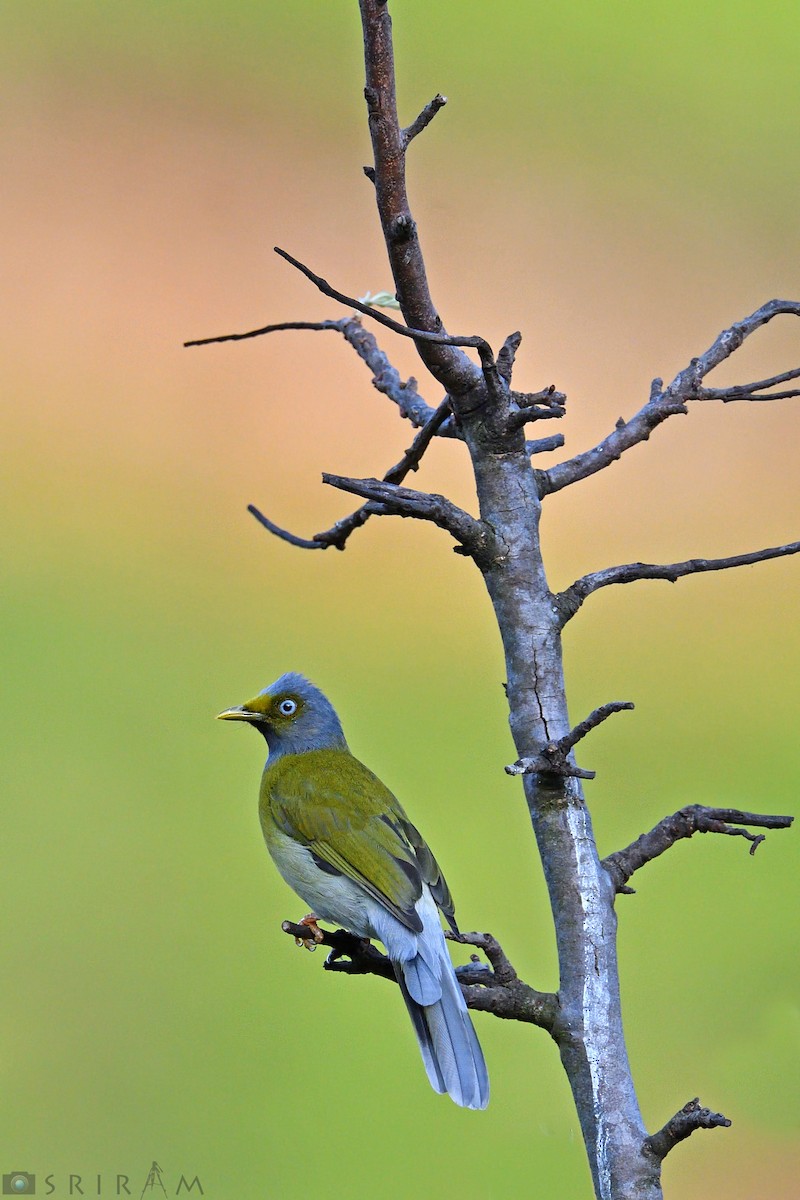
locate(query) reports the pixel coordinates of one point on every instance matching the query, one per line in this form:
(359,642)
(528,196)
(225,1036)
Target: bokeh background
(619,182)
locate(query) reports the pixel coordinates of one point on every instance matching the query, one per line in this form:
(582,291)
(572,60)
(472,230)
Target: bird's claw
(315,933)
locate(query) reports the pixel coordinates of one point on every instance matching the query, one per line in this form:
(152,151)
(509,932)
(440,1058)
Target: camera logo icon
(19,1183)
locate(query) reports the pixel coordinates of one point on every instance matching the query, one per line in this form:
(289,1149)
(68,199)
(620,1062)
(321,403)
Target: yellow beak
(238,714)
(254,711)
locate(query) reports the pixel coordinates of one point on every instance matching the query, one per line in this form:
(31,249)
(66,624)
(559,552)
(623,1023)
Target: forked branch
(554,757)
(495,988)
(536,406)
(338,534)
(753,391)
(685,387)
(694,818)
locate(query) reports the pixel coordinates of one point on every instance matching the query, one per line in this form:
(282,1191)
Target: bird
(344,844)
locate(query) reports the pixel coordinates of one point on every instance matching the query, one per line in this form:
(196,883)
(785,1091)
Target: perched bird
(342,841)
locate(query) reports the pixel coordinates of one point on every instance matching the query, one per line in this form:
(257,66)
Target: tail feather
(423,985)
(449,1046)
(448,1043)
(417,1014)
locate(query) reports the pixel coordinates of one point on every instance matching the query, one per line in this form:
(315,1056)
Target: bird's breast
(334,898)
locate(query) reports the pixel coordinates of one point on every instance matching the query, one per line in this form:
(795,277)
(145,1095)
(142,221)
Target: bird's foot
(315,934)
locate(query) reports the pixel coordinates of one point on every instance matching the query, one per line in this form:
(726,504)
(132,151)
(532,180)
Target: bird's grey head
(293,715)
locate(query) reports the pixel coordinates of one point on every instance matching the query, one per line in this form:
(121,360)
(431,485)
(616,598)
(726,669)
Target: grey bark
(589,1024)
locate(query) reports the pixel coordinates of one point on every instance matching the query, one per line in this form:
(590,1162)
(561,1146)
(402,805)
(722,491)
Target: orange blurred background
(620,185)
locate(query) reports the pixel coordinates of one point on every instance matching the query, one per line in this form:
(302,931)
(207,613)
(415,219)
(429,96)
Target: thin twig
(694,818)
(503,971)
(554,757)
(413,455)
(254,333)
(725,396)
(386,378)
(570,600)
(751,391)
(685,387)
(338,533)
(595,718)
(691,1117)
(423,120)
(284,534)
(418,335)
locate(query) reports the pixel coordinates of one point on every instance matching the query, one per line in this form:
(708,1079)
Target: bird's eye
(287,707)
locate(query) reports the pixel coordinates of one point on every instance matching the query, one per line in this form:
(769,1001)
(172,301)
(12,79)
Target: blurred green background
(620,183)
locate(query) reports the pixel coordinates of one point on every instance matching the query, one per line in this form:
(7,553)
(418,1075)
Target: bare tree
(484,411)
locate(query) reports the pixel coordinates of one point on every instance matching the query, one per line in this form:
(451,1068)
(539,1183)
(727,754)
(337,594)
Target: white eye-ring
(287,707)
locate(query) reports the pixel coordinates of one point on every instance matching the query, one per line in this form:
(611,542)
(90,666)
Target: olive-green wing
(430,870)
(354,826)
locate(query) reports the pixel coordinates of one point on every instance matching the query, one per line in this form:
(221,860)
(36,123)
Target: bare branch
(423,120)
(338,534)
(284,534)
(499,989)
(413,455)
(504,972)
(570,600)
(452,368)
(515,1002)
(694,818)
(536,406)
(685,387)
(724,394)
(595,718)
(729,341)
(679,1127)
(496,989)
(507,355)
(749,391)
(622,438)
(386,378)
(542,445)
(418,335)
(476,537)
(349,954)
(254,333)
(553,758)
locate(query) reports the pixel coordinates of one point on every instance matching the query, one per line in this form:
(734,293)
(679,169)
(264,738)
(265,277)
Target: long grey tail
(449,1045)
